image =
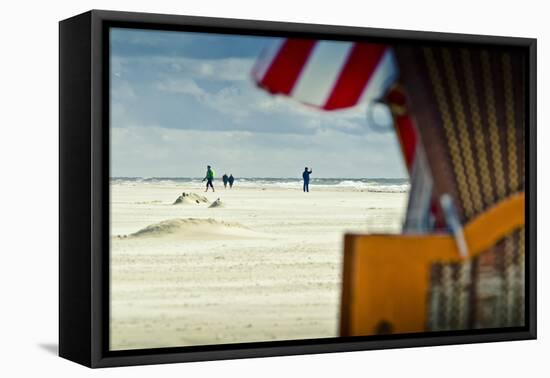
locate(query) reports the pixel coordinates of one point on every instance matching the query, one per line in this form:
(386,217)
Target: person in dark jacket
(231,179)
(225,180)
(305,176)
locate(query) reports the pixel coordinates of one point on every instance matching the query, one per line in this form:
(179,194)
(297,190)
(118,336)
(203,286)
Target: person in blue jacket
(305,176)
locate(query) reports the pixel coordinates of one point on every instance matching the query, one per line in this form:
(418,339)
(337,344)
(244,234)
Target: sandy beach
(264,265)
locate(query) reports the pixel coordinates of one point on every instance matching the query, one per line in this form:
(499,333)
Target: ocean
(381,185)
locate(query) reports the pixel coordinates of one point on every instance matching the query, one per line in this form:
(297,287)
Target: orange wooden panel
(386,277)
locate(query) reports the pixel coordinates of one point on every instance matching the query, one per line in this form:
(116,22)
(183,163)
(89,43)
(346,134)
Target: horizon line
(256,177)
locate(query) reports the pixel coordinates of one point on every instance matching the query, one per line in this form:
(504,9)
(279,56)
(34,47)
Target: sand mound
(217,203)
(194,198)
(195,228)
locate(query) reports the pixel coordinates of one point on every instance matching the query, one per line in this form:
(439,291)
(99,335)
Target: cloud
(151,43)
(185,86)
(190,103)
(228,69)
(216,94)
(160,152)
(172,110)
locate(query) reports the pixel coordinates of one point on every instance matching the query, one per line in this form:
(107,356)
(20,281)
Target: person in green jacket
(209,178)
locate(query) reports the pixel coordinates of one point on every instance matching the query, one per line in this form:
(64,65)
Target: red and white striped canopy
(327,74)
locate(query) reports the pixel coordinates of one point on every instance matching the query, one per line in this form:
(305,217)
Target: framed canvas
(235,188)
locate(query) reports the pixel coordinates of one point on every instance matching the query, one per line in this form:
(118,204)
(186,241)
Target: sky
(181,101)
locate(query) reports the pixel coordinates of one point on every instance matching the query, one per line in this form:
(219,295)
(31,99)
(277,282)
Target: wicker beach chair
(465,108)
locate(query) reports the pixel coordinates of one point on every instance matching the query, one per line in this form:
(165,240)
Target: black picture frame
(84,191)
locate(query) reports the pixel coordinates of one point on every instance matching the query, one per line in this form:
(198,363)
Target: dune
(195,228)
(190,198)
(217,203)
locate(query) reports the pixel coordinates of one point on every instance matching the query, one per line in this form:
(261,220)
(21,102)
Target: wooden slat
(386,277)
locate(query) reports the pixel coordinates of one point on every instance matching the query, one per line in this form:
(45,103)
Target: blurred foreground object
(459,115)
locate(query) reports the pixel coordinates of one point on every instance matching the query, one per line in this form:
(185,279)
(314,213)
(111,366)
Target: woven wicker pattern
(468,106)
(487,292)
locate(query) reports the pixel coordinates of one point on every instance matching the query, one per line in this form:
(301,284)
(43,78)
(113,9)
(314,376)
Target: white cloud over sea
(180,101)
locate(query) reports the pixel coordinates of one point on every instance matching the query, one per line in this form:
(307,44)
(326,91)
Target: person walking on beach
(225,180)
(209,178)
(231,179)
(305,176)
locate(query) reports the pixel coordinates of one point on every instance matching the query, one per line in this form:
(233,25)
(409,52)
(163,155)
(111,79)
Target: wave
(378,185)
(375,186)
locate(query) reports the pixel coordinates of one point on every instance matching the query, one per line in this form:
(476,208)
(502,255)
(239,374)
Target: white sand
(264,266)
